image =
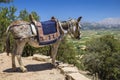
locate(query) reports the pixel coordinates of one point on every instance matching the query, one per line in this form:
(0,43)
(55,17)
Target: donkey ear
(53,17)
(79,18)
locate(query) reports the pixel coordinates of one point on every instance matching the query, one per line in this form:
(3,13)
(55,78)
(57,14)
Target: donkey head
(74,28)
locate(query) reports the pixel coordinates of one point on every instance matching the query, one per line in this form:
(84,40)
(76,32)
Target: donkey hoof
(55,65)
(23,69)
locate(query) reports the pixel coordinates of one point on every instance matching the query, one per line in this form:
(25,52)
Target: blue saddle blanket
(49,27)
(48,32)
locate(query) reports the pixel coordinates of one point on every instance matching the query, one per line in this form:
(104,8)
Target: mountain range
(108,23)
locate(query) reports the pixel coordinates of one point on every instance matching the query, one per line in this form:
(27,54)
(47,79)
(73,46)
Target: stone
(62,65)
(67,70)
(40,57)
(76,76)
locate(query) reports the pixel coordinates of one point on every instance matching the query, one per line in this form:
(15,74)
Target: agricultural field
(91,34)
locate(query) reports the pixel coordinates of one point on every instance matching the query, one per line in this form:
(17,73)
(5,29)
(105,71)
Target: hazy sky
(91,10)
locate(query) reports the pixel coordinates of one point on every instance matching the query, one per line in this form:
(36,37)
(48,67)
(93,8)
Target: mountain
(108,23)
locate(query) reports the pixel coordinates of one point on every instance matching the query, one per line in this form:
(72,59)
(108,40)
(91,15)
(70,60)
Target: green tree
(24,15)
(103,57)
(6,1)
(35,15)
(6,17)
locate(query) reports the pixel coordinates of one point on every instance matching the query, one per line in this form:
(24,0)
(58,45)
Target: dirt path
(36,70)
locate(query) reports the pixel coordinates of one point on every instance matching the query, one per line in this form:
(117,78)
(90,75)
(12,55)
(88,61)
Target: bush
(29,50)
(67,52)
(103,57)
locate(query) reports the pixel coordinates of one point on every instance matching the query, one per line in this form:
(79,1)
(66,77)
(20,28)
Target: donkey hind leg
(19,49)
(13,57)
(54,49)
(13,62)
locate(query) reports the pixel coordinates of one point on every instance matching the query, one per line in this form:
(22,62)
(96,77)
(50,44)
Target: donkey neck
(65,25)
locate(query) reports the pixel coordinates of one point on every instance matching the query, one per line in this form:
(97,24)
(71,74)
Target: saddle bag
(47,32)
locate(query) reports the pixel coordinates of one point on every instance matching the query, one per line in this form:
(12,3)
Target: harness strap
(19,25)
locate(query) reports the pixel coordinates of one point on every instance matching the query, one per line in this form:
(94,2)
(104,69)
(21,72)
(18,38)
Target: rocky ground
(39,68)
(36,70)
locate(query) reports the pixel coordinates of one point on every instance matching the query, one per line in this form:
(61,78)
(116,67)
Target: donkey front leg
(19,50)
(54,50)
(22,68)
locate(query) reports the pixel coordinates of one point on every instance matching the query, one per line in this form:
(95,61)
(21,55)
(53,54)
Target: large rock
(76,76)
(62,65)
(41,58)
(67,70)
(71,72)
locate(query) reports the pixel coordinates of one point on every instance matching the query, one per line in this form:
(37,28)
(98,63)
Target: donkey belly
(33,42)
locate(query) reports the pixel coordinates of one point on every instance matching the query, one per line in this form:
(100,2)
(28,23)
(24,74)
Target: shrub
(67,52)
(29,50)
(103,57)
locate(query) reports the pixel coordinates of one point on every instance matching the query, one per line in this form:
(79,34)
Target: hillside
(108,23)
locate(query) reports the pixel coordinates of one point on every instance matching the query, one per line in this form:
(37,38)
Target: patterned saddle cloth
(48,32)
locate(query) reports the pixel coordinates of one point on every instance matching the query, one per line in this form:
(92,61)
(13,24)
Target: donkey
(21,28)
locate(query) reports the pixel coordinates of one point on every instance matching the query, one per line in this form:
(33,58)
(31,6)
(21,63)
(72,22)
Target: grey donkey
(21,32)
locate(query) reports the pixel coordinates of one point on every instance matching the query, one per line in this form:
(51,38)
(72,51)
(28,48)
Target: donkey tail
(8,41)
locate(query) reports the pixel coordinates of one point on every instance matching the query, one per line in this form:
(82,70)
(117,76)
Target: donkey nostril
(78,37)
